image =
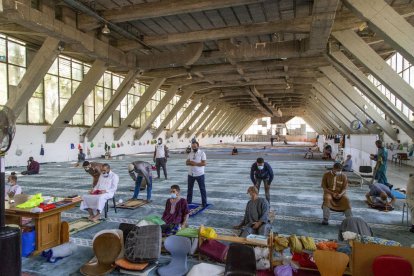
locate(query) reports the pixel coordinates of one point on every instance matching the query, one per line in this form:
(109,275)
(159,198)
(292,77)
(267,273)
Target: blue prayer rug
(196,208)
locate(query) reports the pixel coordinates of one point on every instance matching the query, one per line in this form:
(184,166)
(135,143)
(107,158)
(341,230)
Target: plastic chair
(389,265)
(107,206)
(405,209)
(330,263)
(240,261)
(179,247)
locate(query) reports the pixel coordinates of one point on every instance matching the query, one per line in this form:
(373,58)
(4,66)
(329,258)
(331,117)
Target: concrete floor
(296,197)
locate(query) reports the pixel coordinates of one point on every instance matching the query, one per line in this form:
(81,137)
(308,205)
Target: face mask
(172,195)
(195,150)
(105,174)
(159,142)
(337,173)
(260,167)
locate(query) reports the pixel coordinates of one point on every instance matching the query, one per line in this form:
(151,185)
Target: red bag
(46,207)
(304,260)
(215,250)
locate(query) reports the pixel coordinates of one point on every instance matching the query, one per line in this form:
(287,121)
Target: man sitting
(377,197)
(139,170)
(256,216)
(176,212)
(33,167)
(309,154)
(334,185)
(234,151)
(104,190)
(347,164)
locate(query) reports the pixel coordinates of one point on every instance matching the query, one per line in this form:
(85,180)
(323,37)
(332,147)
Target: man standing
(196,161)
(139,170)
(334,185)
(104,190)
(262,171)
(94,169)
(378,195)
(160,158)
(33,167)
(256,216)
(380,169)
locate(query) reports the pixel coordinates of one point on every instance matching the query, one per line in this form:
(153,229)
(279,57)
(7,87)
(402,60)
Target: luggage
(143,244)
(215,250)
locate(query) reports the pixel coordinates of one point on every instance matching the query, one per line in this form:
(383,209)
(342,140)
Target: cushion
(143,244)
(125,264)
(376,240)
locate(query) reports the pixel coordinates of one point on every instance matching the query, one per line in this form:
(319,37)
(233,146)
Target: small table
(47,223)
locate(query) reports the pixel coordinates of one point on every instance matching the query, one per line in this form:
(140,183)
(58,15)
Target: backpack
(143,244)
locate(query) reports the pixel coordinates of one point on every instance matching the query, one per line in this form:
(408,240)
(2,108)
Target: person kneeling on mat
(256,216)
(138,170)
(378,195)
(176,212)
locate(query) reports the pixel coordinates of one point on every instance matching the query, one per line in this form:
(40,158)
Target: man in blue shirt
(261,171)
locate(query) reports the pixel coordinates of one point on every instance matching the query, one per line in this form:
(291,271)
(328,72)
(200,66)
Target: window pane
(54,68)
(15,74)
(17,54)
(77,72)
(51,98)
(3,57)
(64,68)
(3,83)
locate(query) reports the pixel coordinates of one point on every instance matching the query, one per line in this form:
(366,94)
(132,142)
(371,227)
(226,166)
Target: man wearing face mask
(256,216)
(176,211)
(334,185)
(262,171)
(105,189)
(160,158)
(196,161)
(139,170)
(94,169)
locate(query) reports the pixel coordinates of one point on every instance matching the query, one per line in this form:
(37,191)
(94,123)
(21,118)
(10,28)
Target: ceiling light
(189,76)
(287,86)
(221,95)
(106,30)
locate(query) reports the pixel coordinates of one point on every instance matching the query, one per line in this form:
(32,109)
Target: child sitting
(176,212)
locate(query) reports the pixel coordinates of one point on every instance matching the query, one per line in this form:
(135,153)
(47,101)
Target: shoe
(412,229)
(148,200)
(325,222)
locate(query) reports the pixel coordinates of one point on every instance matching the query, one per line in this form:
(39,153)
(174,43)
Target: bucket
(28,243)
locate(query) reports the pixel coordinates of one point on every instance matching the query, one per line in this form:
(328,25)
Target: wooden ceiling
(258,55)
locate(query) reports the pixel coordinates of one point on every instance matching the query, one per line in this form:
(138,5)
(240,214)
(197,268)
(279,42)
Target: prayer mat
(132,204)
(81,224)
(398,194)
(196,208)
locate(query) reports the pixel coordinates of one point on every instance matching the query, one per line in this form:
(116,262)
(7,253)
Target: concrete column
(113,103)
(211,127)
(241,125)
(389,24)
(377,66)
(133,114)
(238,124)
(352,72)
(244,128)
(157,111)
(208,120)
(233,124)
(203,119)
(331,111)
(323,115)
(176,108)
(33,76)
(329,125)
(79,96)
(347,103)
(185,114)
(194,117)
(226,122)
(348,90)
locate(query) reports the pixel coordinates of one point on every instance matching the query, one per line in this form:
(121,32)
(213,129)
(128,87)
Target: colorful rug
(132,204)
(196,208)
(397,194)
(81,224)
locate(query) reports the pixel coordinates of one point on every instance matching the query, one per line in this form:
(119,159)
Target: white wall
(29,139)
(360,147)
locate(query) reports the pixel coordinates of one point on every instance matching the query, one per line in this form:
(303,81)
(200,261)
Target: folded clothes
(327,245)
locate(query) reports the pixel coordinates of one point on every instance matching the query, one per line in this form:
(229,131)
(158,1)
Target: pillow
(125,264)
(376,240)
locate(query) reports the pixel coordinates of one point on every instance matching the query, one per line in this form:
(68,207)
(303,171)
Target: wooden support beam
(194,117)
(185,114)
(136,110)
(76,100)
(204,117)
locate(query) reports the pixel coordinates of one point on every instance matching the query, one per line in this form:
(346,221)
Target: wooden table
(47,224)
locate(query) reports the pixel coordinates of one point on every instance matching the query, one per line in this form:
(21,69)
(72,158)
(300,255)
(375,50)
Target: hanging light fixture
(106,30)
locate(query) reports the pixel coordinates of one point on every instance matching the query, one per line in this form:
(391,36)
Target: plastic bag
(208,232)
(32,202)
(283,270)
(154,219)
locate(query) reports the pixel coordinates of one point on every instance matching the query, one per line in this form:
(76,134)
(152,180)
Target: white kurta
(97,202)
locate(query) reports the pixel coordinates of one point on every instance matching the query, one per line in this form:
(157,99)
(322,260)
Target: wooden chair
(330,263)
(402,157)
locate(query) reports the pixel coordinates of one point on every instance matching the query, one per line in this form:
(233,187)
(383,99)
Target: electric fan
(10,241)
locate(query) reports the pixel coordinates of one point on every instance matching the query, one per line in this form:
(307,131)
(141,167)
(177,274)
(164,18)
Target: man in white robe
(105,189)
